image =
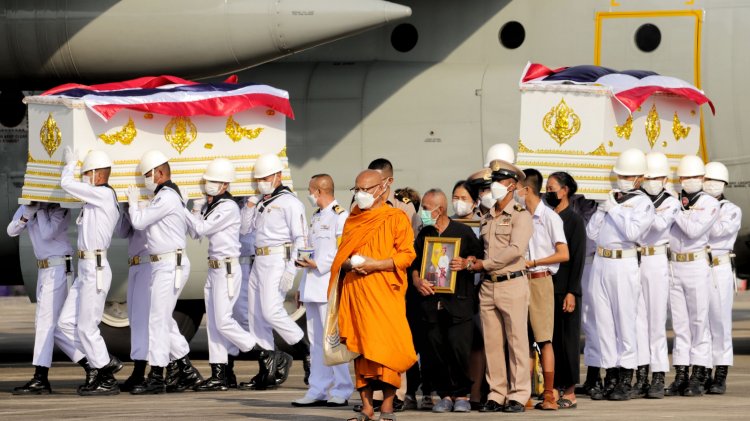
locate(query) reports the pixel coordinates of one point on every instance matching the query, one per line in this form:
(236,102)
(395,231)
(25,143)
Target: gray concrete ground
(16,339)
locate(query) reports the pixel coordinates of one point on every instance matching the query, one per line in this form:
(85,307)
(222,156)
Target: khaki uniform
(408,208)
(504,303)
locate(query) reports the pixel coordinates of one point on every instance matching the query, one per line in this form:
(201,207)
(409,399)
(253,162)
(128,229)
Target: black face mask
(552,199)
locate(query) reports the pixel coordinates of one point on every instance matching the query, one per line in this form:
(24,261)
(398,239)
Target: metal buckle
(42,264)
(214,264)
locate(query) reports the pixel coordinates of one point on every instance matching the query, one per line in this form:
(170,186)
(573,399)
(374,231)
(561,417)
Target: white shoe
(334,401)
(308,401)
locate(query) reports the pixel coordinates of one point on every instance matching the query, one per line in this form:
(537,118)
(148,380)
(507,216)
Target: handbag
(334,352)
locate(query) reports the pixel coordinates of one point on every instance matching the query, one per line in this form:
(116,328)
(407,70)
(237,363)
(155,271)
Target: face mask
(427,219)
(313,200)
(713,187)
(462,208)
(499,191)
(653,187)
(364,200)
(86,179)
(551,198)
(487,201)
(150,183)
(692,185)
(625,185)
(266,187)
(520,199)
(213,188)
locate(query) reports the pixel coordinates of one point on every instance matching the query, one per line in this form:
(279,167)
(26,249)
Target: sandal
(360,417)
(565,403)
(387,416)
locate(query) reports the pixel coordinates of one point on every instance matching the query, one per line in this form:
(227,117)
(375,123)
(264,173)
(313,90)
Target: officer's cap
(503,169)
(481,179)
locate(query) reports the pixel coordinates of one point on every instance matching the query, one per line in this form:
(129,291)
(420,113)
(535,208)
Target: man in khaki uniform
(385,167)
(504,296)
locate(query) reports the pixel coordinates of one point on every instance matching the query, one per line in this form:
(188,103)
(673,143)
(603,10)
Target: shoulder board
(406,200)
(338,209)
(317,211)
(518,208)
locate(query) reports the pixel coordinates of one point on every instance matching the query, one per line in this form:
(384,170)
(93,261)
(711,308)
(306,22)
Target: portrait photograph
(438,253)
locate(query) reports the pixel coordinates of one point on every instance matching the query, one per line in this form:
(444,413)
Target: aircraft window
(648,37)
(512,35)
(404,37)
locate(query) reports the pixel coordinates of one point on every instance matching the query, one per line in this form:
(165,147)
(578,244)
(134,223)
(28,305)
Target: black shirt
(568,277)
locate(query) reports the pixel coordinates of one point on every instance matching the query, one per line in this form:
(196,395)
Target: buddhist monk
(377,247)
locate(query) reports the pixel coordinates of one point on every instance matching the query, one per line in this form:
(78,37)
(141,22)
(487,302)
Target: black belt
(505,276)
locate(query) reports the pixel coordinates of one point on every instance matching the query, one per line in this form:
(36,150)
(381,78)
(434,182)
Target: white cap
(717,171)
(691,166)
(266,165)
(631,162)
(657,165)
(220,169)
(95,160)
(502,151)
(151,160)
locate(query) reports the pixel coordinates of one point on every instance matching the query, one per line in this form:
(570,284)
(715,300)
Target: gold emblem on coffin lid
(237,132)
(626,129)
(561,123)
(50,136)
(180,132)
(124,135)
(679,131)
(653,126)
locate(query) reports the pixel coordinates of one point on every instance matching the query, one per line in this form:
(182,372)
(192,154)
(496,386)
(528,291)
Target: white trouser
(591,352)
(325,381)
(240,312)
(82,312)
(720,315)
(688,302)
(652,313)
(266,303)
(51,291)
(225,335)
(615,286)
(139,302)
(164,337)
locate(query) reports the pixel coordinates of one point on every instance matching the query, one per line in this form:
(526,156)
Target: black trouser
(418,374)
(566,343)
(450,346)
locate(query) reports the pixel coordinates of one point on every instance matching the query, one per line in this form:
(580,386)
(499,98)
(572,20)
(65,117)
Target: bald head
(433,199)
(322,182)
(368,178)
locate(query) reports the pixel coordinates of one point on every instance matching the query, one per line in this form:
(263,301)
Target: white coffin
(190,143)
(581,129)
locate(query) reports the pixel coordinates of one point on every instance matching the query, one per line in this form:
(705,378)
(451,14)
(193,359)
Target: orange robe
(372,309)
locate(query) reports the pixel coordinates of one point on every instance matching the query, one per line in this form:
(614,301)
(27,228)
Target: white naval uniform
(281,222)
(591,353)
(690,288)
(325,229)
(615,282)
(84,306)
(139,286)
(654,297)
(48,231)
(247,256)
(166,227)
(221,224)
(721,239)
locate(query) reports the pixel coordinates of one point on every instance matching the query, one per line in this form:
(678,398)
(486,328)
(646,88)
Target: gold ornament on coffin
(237,132)
(653,126)
(50,136)
(561,123)
(124,135)
(626,129)
(679,131)
(180,132)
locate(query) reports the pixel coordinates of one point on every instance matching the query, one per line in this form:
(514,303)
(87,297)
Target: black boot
(104,384)
(593,379)
(38,385)
(189,376)
(153,385)
(173,376)
(641,386)
(302,348)
(709,380)
(283,365)
(138,376)
(656,390)
(231,377)
(623,389)
(680,381)
(719,385)
(265,378)
(113,366)
(696,382)
(610,382)
(91,374)
(217,382)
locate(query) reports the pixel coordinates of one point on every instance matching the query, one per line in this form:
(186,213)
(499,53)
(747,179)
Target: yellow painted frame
(697,14)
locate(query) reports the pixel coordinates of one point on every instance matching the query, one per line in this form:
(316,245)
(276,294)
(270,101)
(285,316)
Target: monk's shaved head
(435,198)
(322,182)
(368,178)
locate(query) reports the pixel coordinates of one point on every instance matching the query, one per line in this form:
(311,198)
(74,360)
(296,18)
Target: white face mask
(86,179)
(212,188)
(150,183)
(313,200)
(266,187)
(499,190)
(713,187)
(487,200)
(653,187)
(625,185)
(364,200)
(520,199)
(692,185)
(462,208)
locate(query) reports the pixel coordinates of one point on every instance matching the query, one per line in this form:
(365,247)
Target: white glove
(134,194)
(252,201)
(30,210)
(605,206)
(199,203)
(287,281)
(69,156)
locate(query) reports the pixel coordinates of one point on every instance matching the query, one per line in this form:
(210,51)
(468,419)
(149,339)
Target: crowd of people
(527,270)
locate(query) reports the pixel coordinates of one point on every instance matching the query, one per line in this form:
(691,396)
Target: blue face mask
(427,219)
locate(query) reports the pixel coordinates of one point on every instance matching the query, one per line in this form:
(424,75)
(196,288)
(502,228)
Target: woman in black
(567,281)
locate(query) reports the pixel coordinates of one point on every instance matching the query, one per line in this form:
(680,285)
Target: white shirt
(247,241)
(281,222)
(99,214)
(48,231)
(664,216)
(163,220)
(136,238)
(624,226)
(326,227)
(222,227)
(724,232)
(691,227)
(548,232)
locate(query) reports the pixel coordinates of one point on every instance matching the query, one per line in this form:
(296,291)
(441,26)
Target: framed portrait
(436,258)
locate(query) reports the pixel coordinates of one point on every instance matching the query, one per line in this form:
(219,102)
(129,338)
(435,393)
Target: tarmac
(16,344)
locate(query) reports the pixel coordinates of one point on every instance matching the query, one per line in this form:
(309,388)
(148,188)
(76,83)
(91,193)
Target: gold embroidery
(237,132)
(180,132)
(565,125)
(124,135)
(50,135)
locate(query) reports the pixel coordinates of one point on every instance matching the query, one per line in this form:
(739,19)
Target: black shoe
(131,382)
(719,385)
(641,386)
(217,382)
(38,385)
(514,406)
(104,385)
(265,379)
(188,376)
(375,406)
(623,389)
(306,368)
(656,389)
(491,406)
(138,376)
(398,404)
(695,384)
(680,381)
(476,406)
(113,366)
(610,381)
(709,380)
(153,385)
(596,391)
(231,377)
(91,375)
(173,376)
(283,365)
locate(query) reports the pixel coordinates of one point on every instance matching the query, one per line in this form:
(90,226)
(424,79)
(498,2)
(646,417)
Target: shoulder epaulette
(338,209)
(518,208)
(317,211)
(406,200)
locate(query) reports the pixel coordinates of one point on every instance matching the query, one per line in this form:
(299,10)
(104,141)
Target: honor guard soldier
(655,278)
(501,151)
(692,280)
(165,224)
(329,386)
(82,311)
(617,228)
(47,225)
(280,228)
(721,240)
(504,295)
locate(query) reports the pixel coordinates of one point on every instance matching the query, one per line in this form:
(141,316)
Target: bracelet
(469,265)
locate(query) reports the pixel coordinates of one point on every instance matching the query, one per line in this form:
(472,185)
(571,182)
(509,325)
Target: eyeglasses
(356,190)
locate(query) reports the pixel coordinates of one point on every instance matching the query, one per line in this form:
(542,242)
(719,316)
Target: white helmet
(501,151)
(266,165)
(220,169)
(631,162)
(95,160)
(717,171)
(691,166)
(656,165)
(151,160)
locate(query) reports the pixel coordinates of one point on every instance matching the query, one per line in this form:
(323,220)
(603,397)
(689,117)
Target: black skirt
(566,343)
